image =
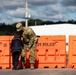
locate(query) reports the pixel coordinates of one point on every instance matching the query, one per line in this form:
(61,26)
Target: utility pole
(26,15)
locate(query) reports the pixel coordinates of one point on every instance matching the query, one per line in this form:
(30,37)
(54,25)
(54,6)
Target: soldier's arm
(33,38)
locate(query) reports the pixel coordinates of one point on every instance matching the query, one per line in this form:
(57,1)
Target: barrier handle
(57,53)
(46,54)
(56,50)
(0,50)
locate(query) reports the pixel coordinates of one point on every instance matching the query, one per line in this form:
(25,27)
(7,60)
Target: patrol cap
(19,26)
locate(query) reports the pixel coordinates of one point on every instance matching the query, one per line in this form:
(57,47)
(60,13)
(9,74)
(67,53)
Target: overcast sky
(12,11)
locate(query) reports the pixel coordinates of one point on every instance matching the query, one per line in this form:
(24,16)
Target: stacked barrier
(11,37)
(50,52)
(4,52)
(72,52)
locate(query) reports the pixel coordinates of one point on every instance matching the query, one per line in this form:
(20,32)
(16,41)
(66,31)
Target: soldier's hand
(27,48)
(20,57)
(21,38)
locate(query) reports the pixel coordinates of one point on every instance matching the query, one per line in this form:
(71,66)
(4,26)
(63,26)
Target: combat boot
(31,66)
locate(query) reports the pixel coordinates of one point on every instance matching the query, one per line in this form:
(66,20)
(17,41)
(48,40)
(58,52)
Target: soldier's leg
(23,62)
(24,55)
(23,58)
(32,56)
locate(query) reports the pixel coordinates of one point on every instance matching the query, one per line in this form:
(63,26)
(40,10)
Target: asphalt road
(54,71)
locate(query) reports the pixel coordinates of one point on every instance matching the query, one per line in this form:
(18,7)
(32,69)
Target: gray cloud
(69,2)
(69,5)
(11,4)
(14,10)
(42,2)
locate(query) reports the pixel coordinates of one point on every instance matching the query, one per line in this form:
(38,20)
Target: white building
(57,29)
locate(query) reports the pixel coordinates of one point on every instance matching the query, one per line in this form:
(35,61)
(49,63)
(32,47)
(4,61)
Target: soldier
(30,41)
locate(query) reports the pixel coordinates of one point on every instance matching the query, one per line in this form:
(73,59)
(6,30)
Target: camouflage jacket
(29,36)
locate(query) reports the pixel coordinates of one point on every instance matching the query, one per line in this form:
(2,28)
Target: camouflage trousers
(32,53)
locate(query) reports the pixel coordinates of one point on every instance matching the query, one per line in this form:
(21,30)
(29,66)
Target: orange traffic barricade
(72,52)
(4,52)
(50,52)
(11,37)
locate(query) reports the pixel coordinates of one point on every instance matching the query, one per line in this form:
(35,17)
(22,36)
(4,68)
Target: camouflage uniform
(30,40)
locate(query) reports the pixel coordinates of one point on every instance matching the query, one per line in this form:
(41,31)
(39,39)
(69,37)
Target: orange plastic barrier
(4,52)
(11,37)
(72,52)
(50,52)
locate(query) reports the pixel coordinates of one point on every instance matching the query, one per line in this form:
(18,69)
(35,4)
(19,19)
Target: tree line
(9,29)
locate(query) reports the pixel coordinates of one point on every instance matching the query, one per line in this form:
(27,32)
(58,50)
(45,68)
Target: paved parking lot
(55,71)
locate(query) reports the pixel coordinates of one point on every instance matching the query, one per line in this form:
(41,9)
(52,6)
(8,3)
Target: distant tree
(34,22)
(10,29)
(47,22)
